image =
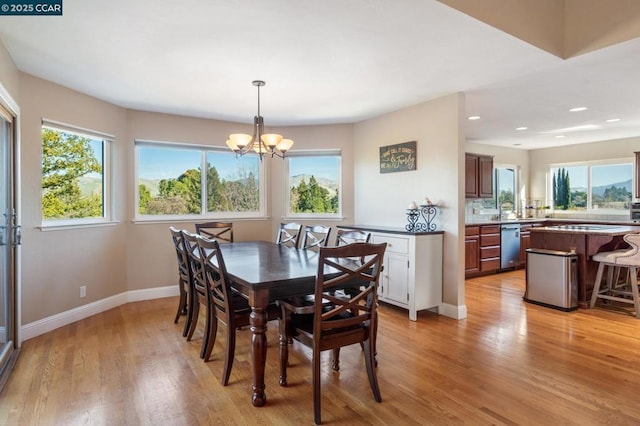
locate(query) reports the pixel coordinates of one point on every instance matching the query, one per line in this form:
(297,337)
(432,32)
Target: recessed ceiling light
(560,136)
(612,120)
(474,117)
(517,144)
(578,109)
(521,128)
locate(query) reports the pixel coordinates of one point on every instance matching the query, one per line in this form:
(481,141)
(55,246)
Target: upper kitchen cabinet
(478,180)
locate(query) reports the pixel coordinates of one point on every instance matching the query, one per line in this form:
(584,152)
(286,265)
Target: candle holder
(421,219)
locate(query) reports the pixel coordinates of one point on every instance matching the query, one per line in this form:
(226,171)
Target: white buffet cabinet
(412,274)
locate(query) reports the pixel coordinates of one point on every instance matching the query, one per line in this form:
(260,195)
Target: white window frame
(589,164)
(108,214)
(287,198)
(260,214)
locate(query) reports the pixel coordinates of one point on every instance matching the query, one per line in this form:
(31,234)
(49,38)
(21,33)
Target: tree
(66,157)
(561,190)
(144,197)
(187,187)
(217,199)
(312,198)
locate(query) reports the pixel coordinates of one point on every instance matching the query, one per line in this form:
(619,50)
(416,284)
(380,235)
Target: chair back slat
(181,254)
(345,237)
(217,278)
(221,231)
(196,263)
(336,268)
(289,234)
(315,236)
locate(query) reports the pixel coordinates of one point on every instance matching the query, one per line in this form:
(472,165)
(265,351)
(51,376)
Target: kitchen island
(586,240)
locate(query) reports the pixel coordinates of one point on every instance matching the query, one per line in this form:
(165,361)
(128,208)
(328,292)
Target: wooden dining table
(265,272)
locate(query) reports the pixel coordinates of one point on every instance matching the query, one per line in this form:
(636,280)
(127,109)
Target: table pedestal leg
(258,321)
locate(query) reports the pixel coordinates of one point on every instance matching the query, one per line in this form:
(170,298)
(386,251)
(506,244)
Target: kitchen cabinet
(525,243)
(489,248)
(471,249)
(412,268)
(478,179)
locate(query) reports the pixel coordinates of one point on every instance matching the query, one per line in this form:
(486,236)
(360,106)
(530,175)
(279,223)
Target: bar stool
(626,291)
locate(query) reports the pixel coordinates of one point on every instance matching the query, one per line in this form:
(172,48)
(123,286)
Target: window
(313,180)
(504,189)
(170,183)
(75,187)
(592,186)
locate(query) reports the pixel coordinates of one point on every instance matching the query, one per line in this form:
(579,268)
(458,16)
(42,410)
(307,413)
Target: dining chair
(336,321)
(184,279)
(345,236)
(200,293)
(289,234)
(315,236)
(221,231)
(224,304)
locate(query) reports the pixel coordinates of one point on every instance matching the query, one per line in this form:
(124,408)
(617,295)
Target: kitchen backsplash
(476,212)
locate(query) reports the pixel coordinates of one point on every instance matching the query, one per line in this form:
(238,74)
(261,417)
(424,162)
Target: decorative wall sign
(398,158)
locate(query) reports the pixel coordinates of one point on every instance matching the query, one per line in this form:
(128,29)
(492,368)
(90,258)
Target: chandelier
(260,142)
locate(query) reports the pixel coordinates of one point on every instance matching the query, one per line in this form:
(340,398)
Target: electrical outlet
(83,291)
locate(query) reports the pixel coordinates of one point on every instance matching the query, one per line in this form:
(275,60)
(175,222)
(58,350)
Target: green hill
(329,184)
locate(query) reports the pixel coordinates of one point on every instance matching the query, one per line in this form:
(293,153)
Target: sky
(326,167)
(600,175)
(162,163)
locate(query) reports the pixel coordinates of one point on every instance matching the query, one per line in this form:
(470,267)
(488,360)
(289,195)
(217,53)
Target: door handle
(17,235)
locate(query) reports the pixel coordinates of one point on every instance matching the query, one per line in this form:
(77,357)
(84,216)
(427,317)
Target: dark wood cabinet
(478,178)
(489,248)
(485,177)
(471,169)
(472,249)
(525,243)
(481,249)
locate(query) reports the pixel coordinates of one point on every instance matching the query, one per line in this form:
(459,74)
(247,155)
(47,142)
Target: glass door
(9,240)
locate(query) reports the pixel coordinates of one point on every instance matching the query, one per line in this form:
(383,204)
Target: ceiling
(333,61)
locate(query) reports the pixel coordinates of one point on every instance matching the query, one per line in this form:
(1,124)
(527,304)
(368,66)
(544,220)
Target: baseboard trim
(457,312)
(45,325)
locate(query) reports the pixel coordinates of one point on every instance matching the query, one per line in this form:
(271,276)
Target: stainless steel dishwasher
(509,245)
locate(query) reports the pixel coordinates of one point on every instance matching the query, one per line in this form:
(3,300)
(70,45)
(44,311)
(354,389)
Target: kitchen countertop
(590,229)
(555,221)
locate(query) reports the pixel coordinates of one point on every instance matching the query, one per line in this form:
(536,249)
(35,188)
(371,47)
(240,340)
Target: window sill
(152,221)
(315,217)
(67,225)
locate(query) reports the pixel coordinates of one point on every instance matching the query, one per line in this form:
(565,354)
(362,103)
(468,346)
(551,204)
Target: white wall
(382,199)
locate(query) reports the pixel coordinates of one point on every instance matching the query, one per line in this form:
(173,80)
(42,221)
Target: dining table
(265,272)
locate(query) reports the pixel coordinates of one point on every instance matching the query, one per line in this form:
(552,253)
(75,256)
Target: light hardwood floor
(508,363)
